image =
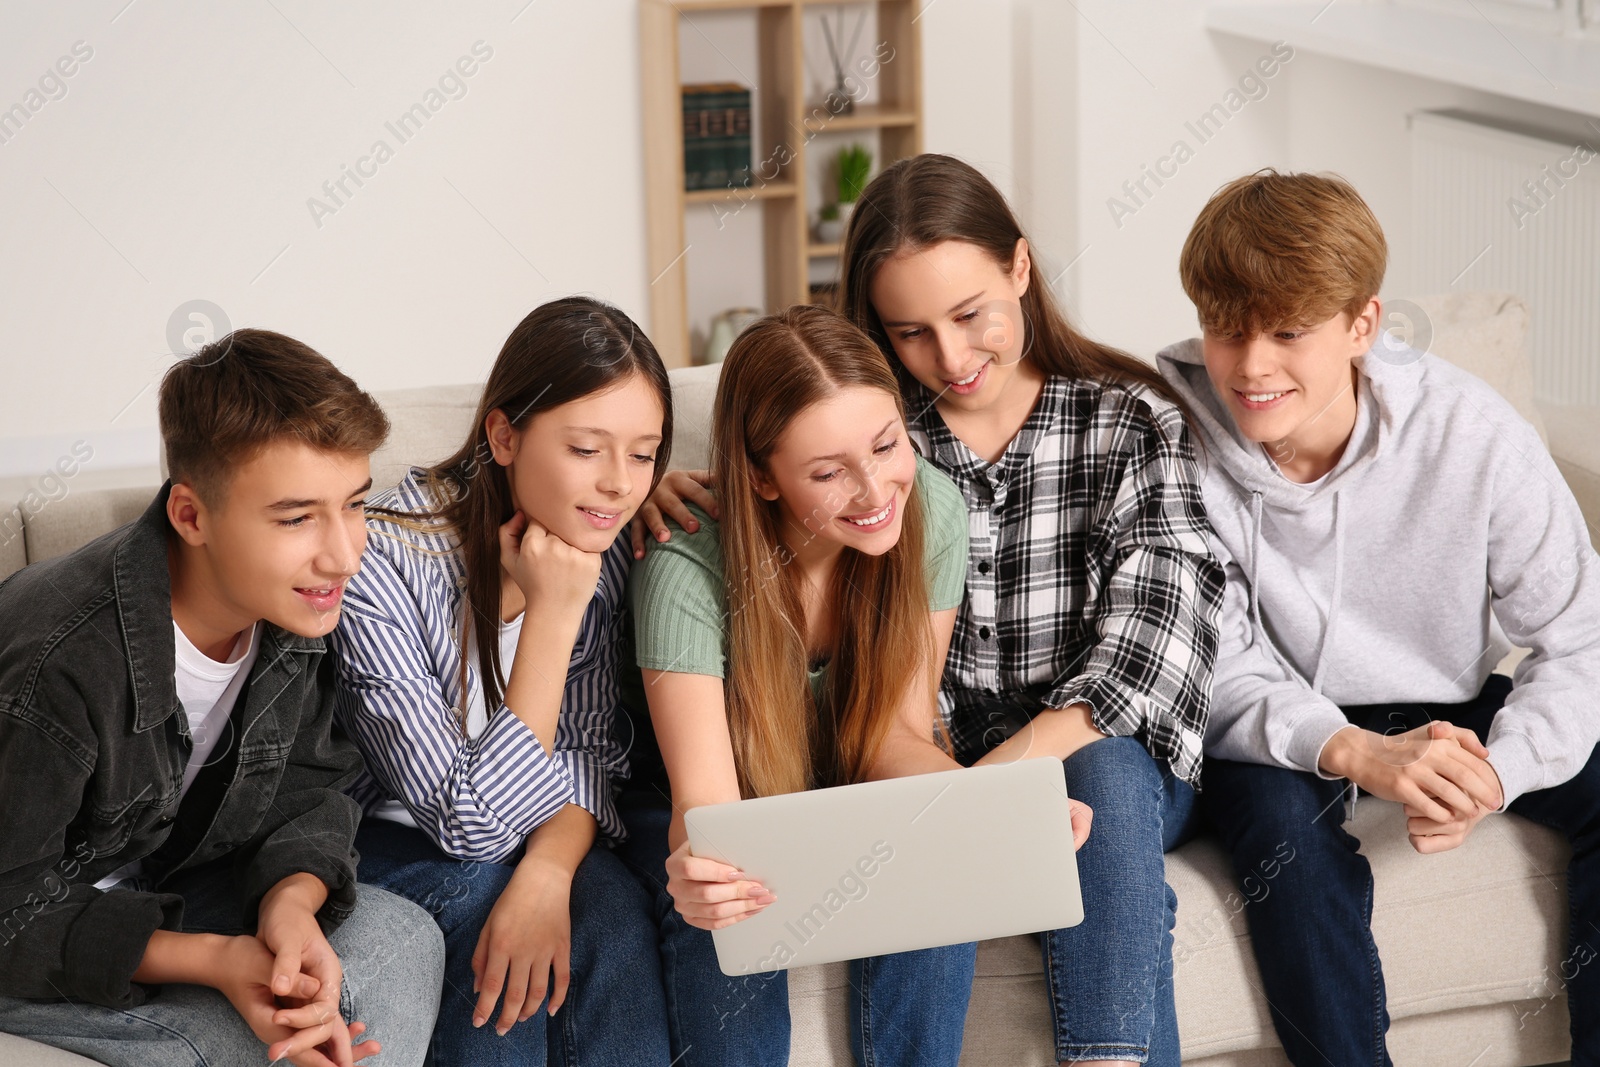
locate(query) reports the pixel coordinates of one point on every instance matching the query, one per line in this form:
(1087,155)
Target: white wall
(179,163)
(1143,70)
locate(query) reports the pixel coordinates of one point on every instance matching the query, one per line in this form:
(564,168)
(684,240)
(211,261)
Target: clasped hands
(1439,772)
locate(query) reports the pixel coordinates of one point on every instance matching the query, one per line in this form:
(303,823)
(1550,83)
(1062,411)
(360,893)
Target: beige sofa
(1471,940)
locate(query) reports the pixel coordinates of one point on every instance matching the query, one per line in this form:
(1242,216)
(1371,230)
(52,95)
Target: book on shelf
(716,135)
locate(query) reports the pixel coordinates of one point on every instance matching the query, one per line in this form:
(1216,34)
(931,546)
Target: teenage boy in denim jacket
(176,872)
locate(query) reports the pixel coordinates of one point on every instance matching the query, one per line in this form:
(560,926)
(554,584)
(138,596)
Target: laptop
(892,866)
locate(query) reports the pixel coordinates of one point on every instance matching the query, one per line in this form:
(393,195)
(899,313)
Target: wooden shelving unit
(784,111)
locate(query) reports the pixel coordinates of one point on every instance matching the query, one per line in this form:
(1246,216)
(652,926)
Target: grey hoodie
(1444,530)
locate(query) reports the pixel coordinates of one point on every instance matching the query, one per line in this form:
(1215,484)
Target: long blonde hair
(783,742)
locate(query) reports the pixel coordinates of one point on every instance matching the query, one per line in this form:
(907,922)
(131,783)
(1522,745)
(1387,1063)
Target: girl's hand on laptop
(1082,819)
(677,489)
(710,894)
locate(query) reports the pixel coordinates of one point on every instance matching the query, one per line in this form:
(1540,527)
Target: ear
(1021,267)
(187,513)
(764,486)
(1364,327)
(503,438)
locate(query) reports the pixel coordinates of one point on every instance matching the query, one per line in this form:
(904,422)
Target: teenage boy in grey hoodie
(1387,521)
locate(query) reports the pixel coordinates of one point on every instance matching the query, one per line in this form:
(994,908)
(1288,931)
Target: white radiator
(1502,208)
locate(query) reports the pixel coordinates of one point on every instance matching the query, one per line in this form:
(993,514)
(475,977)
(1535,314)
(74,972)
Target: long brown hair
(562,351)
(782,743)
(926,200)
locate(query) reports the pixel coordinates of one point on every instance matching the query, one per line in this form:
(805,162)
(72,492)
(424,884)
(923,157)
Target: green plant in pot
(854,166)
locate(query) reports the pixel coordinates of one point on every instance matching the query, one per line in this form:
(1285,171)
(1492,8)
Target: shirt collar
(953,457)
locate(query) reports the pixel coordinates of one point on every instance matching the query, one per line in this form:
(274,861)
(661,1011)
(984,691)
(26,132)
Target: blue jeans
(1310,891)
(908,1008)
(391,954)
(614,1013)
(1110,977)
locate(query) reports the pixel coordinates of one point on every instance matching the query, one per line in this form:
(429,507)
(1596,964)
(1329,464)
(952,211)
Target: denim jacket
(93,746)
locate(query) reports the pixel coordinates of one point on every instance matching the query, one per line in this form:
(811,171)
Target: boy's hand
(528,936)
(677,489)
(244,973)
(1438,769)
(1428,836)
(287,928)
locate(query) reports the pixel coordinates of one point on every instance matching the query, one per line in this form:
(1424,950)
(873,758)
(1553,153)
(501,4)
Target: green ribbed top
(680,604)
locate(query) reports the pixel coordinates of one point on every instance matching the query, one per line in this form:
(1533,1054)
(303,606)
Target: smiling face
(1293,386)
(841,471)
(284,537)
(581,469)
(954,318)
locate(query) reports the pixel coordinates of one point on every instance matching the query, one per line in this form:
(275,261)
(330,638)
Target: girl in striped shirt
(478,656)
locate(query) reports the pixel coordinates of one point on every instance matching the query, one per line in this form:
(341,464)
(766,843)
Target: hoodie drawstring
(1326,644)
(1255,564)
(1333,606)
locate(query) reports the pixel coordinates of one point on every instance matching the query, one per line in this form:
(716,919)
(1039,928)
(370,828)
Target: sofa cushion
(1575,444)
(1485,334)
(78,518)
(693,390)
(20,1052)
(425,426)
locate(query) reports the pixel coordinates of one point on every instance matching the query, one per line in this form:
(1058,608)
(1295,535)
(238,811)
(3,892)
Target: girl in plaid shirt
(1089,626)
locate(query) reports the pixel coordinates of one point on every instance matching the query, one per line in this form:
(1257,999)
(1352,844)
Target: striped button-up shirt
(1090,577)
(399,649)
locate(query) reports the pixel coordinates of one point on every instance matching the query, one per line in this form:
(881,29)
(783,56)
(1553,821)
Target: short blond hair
(1274,250)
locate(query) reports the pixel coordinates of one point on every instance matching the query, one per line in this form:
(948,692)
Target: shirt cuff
(591,790)
(107,942)
(1517,763)
(513,777)
(1110,710)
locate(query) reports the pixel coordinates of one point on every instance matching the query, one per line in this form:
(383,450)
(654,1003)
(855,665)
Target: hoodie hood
(1386,393)
(1254,484)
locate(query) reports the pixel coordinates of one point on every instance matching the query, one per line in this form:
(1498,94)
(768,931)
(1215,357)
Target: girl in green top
(839,561)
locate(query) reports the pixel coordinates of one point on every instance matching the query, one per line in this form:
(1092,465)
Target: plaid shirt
(1090,577)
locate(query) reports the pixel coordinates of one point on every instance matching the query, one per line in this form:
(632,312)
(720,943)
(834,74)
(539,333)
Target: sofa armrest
(1575,444)
(68,524)
(13,544)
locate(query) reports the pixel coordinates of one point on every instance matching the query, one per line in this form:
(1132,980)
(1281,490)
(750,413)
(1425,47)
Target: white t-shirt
(477,714)
(207,690)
